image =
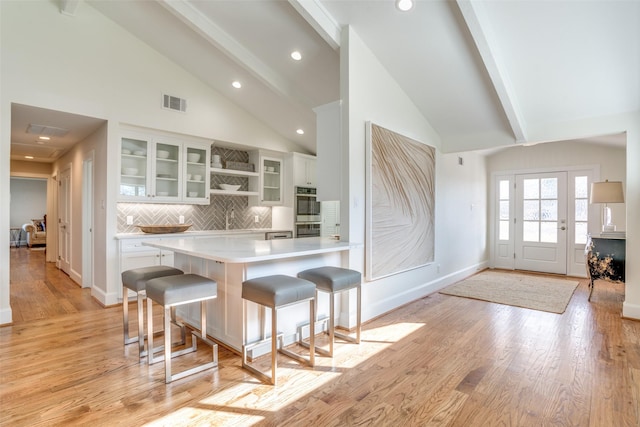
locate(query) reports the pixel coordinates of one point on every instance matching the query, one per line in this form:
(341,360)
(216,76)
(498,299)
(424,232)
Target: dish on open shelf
(164,228)
(229,187)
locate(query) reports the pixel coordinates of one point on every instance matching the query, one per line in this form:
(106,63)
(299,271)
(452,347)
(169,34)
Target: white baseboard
(381,307)
(106,299)
(631,311)
(6,316)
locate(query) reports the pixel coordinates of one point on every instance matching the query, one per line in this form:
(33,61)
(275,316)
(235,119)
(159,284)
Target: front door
(541,222)
(64,220)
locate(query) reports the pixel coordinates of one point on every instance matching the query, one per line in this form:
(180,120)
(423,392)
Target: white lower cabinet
(135,255)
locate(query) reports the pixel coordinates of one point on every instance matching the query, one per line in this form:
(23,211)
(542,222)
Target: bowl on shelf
(129,171)
(193,194)
(164,228)
(229,187)
(138,153)
(197,177)
(162,154)
(162,193)
(193,157)
(126,151)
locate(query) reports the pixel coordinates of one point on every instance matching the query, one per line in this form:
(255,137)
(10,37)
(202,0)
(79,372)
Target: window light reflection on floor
(250,401)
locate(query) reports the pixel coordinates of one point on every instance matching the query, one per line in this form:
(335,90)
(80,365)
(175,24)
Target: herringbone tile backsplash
(203,217)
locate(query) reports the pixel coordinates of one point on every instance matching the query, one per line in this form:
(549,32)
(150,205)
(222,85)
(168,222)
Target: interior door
(64,220)
(541,222)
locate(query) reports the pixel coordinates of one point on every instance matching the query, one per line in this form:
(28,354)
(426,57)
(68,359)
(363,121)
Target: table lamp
(607,192)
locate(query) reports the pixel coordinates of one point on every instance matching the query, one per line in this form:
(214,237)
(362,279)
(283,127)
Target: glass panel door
(541,225)
(133,168)
(167,170)
(271,180)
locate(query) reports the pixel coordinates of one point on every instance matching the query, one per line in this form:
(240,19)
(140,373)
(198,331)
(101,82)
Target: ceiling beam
(69,7)
(320,19)
(478,24)
(224,42)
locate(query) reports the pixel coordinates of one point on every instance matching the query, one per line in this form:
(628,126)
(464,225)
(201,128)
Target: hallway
(40,291)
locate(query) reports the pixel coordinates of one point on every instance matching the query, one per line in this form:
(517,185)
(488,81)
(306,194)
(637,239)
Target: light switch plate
(129,220)
(181,219)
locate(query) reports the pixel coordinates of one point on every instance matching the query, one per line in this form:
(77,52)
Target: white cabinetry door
(304,170)
(134,164)
(167,172)
(133,254)
(196,176)
(160,169)
(270,179)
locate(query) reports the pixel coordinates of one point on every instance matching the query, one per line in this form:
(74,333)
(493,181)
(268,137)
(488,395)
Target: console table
(15,236)
(605,260)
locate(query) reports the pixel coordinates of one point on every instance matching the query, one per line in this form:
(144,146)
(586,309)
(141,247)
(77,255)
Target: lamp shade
(606,192)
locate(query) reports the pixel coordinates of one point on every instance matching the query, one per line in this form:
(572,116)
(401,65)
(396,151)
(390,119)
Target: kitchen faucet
(229,215)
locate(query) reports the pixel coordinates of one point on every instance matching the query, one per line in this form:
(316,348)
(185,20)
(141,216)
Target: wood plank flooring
(439,361)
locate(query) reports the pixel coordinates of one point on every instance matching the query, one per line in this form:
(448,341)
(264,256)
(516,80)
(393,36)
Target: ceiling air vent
(174,103)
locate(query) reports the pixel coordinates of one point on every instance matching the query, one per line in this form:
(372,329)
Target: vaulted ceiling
(485,74)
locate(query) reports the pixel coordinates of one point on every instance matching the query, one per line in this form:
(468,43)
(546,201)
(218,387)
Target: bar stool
(170,292)
(277,292)
(334,280)
(136,280)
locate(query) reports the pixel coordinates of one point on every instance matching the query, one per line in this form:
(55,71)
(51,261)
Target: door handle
(562,228)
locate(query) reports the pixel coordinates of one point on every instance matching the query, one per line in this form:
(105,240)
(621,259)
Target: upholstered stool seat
(276,292)
(334,280)
(172,291)
(136,280)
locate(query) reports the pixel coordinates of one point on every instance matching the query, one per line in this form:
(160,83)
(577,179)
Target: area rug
(521,290)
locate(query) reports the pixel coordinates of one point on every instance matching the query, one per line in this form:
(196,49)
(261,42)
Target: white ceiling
(485,74)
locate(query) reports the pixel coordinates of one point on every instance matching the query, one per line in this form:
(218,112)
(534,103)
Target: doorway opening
(541,220)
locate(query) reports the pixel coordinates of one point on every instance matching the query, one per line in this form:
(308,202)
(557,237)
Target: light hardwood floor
(441,360)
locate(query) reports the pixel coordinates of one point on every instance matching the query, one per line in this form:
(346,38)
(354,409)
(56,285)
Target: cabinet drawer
(135,246)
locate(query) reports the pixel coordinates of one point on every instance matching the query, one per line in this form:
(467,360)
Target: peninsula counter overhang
(240,250)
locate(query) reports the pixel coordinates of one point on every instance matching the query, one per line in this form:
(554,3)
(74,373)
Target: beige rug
(520,290)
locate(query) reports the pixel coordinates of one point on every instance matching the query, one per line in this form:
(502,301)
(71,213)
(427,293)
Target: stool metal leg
(140,301)
(168,318)
(125,317)
(358,321)
(331,325)
(273,379)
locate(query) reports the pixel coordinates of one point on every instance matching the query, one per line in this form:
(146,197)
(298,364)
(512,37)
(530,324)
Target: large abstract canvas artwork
(400,203)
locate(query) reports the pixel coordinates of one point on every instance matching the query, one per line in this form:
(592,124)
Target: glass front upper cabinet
(133,169)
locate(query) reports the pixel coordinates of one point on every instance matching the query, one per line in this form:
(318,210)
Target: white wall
(370,94)
(28,200)
(88,65)
(96,143)
(611,162)
(623,122)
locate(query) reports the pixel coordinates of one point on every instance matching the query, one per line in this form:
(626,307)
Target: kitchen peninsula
(230,261)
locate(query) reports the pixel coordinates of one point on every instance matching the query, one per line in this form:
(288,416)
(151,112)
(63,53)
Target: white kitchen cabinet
(268,184)
(196,176)
(160,169)
(304,170)
(135,255)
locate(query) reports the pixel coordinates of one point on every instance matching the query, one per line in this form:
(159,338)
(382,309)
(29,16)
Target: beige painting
(400,203)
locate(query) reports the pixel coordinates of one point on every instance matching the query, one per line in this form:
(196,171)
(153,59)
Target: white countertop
(197,233)
(237,250)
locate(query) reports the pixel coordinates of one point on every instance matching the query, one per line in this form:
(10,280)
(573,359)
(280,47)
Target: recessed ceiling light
(300,132)
(236,84)
(404,5)
(28,157)
(296,55)
(46,138)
